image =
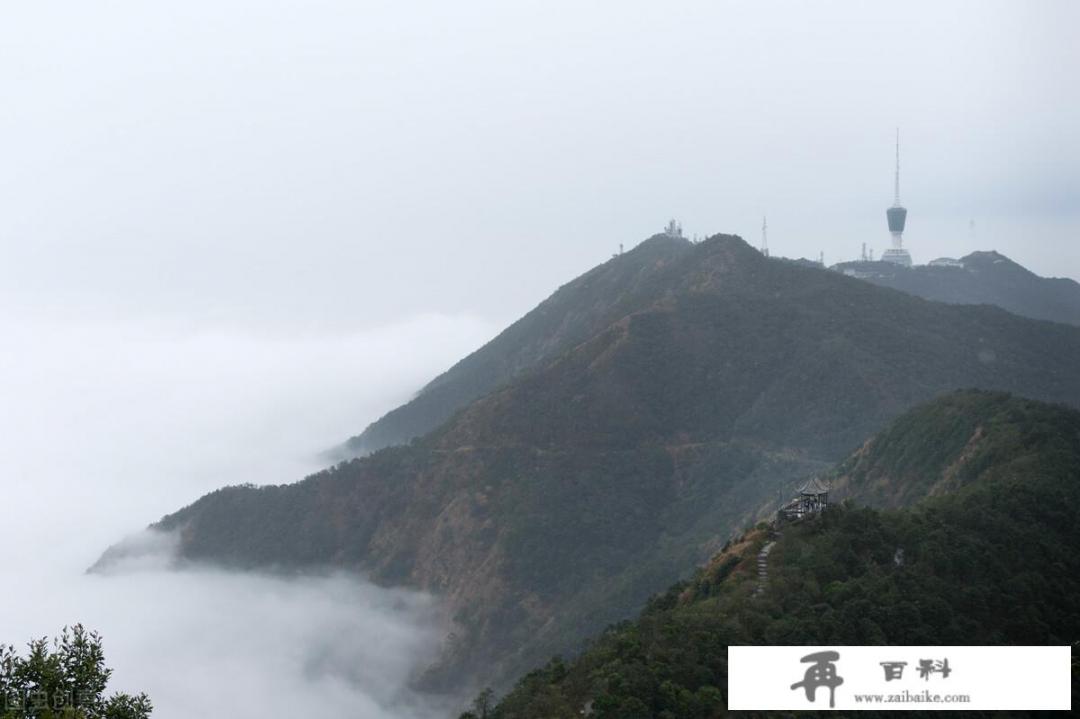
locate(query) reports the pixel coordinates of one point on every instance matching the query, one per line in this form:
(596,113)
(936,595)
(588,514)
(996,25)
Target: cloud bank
(106,427)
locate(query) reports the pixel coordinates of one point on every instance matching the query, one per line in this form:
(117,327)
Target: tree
(484,704)
(63,679)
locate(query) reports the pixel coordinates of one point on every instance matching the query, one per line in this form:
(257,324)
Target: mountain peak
(572,314)
(993,259)
(731,246)
(661,241)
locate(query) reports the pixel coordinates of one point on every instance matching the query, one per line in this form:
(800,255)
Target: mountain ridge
(982,277)
(560,501)
(992,559)
(554,326)
(570,315)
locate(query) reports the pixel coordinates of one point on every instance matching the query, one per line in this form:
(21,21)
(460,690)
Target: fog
(106,427)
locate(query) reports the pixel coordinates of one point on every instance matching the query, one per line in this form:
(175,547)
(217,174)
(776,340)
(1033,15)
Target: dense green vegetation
(560,501)
(573,314)
(944,445)
(994,561)
(768,351)
(63,679)
(587,305)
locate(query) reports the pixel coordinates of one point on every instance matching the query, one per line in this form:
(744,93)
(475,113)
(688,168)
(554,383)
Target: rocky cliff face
(557,503)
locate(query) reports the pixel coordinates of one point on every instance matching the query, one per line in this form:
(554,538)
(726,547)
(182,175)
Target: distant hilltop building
(673,229)
(945,262)
(897,216)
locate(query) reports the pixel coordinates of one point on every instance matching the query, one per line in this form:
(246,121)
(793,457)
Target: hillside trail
(763,567)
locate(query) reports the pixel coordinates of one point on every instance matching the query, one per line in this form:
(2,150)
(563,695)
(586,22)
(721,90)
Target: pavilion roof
(814,486)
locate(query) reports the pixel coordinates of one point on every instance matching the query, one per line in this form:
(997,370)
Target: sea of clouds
(106,426)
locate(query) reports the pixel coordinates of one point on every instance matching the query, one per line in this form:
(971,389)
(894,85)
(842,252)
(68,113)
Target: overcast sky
(330,164)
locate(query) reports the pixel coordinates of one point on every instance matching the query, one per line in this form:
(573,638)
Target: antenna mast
(896,196)
(764,237)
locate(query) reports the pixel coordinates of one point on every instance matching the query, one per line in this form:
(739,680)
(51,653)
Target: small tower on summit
(764,236)
(897,217)
(673,229)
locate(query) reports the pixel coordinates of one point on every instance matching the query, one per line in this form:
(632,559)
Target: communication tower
(897,216)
